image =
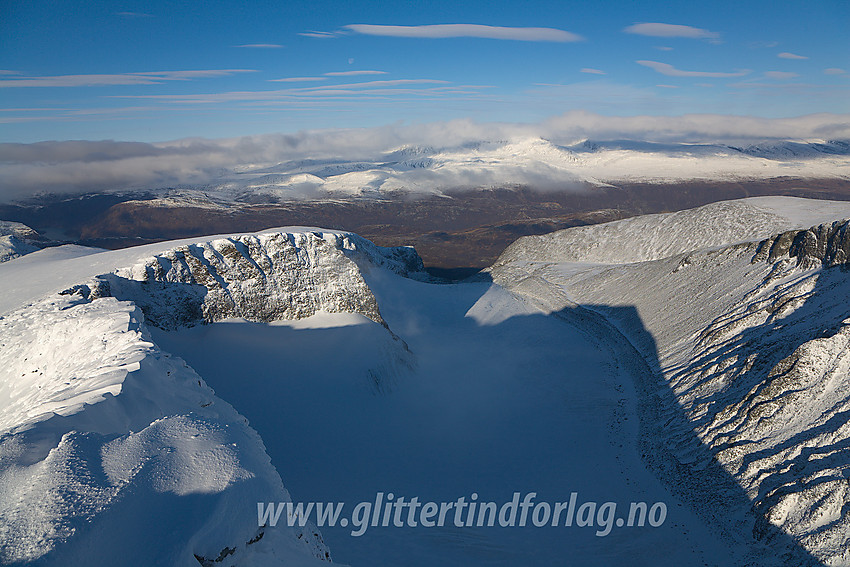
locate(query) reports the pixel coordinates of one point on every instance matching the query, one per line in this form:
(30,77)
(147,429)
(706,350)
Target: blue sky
(160,70)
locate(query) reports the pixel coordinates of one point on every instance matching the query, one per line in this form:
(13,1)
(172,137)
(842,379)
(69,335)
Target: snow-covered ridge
(650,237)
(266,277)
(749,342)
(100,430)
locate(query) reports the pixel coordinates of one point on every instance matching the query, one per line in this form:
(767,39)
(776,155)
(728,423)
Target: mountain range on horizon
(532,162)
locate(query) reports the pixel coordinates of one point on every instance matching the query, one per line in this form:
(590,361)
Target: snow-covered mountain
(115,452)
(16,240)
(746,339)
(540,164)
(697,358)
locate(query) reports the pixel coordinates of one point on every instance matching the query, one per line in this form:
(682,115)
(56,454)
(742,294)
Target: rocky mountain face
(266,277)
(768,389)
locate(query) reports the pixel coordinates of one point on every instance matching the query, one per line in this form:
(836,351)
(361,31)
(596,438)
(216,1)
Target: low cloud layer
(89,166)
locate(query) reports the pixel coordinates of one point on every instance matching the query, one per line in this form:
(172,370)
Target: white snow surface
(113,452)
(706,374)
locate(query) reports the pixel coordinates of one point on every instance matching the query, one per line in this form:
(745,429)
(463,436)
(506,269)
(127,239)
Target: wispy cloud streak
(655,29)
(353,73)
(465,30)
(145,78)
(670,71)
(261,46)
(786,55)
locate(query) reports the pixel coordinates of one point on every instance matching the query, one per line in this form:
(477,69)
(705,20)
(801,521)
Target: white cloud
(261,45)
(319,34)
(146,78)
(423,87)
(786,55)
(298,79)
(593,71)
(780,74)
(762,44)
(134,15)
(834,71)
(353,73)
(663,48)
(466,30)
(670,30)
(373,84)
(667,86)
(81,165)
(186,75)
(697,127)
(670,71)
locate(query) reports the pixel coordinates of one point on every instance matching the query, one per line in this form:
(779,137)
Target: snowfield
(698,358)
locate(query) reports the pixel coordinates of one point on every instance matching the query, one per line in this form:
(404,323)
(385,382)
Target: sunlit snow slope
(114,452)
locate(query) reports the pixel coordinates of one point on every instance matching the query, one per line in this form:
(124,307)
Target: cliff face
(265,277)
(827,245)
